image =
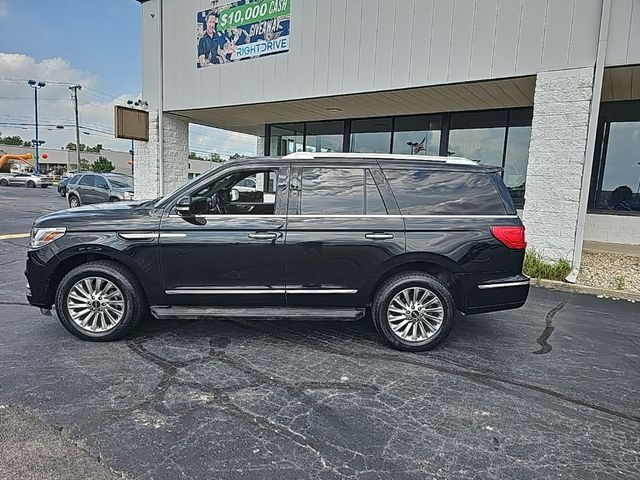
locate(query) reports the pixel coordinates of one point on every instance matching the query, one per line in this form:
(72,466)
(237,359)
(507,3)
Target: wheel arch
(436,265)
(77,258)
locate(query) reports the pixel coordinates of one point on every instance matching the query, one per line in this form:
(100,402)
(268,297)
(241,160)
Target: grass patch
(537,267)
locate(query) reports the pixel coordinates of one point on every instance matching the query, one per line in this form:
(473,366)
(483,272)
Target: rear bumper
(494,294)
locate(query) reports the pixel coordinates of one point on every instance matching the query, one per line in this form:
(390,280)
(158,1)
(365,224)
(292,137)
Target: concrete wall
(612,229)
(176,153)
(348,46)
(556,159)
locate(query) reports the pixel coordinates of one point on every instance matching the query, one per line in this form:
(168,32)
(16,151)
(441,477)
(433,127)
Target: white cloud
(4,8)
(96,108)
(54,103)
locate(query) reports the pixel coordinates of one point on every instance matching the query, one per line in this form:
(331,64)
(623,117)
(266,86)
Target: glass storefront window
(620,186)
(417,135)
(517,154)
(287,138)
(478,136)
(371,135)
(324,137)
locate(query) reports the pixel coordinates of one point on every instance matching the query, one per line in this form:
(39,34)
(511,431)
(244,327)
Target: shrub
(537,267)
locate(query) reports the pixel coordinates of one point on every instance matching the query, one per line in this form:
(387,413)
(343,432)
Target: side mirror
(183,207)
(235,194)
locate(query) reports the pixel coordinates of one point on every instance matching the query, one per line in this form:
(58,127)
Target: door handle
(379,236)
(263,236)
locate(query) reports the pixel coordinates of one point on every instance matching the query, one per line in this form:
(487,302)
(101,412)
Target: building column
(556,160)
(146,170)
(260,147)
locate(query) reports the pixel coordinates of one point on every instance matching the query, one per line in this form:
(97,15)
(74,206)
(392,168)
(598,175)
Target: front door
(85,189)
(100,190)
(340,231)
(230,251)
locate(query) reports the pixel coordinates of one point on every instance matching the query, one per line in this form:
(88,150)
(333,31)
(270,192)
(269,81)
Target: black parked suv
(322,236)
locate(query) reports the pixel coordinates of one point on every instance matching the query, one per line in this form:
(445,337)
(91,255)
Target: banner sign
(242,29)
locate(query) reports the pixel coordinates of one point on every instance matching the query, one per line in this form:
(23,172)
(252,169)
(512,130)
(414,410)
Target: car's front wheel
(413,311)
(73,201)
(100,301)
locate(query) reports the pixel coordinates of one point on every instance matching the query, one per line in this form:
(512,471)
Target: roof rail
(380,156)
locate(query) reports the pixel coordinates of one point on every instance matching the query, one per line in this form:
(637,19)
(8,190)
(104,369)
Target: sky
(94,44)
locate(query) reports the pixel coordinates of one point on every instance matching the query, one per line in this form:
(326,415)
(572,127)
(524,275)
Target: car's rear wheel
(31,184)
(114,199)
(44,186)
(73,201)
(413,311)
(100,301)
(63,192)
(4,182)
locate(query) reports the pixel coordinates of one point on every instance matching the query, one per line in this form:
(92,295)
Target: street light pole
(36,86)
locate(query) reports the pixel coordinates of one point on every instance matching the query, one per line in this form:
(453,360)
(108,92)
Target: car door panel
(225,260)
(331,258)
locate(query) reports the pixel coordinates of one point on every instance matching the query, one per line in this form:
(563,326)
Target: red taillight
(511,237)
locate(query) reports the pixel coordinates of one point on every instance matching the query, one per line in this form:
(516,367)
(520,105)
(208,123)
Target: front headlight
(127,195)
(44,236)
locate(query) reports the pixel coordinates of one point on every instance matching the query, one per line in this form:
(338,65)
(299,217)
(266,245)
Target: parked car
(62,186)
(31,180)
(410,240)
(89,188)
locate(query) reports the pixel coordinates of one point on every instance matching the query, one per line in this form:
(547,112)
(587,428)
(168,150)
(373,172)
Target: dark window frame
(444,132)
(610,112)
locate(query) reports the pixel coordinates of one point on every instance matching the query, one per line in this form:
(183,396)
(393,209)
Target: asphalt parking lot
(547,391)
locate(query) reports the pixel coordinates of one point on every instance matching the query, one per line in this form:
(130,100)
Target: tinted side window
(87,180)
(432,192)
(332,191)
(101,182)
(74,180)
(373,199)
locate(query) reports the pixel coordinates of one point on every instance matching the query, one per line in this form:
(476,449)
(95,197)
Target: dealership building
(547,89)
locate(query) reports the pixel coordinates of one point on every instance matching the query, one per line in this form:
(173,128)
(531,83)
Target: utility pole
(75,89)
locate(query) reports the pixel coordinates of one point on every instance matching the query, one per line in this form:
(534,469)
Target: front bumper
(39,268)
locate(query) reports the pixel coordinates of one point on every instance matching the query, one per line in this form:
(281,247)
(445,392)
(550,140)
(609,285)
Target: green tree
(12,140)
(194,156)
(96,149)
(214,157)
(85,166)
(103,165)
(72,146)
(26,144)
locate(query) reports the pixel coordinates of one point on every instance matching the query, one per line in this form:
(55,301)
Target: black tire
(114,199)
(63,192)
(74,202)
(31,184)
(44,186)
(135,307)
(4,182)
(396,284)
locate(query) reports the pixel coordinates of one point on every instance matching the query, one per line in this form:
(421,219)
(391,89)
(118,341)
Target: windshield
(121,182)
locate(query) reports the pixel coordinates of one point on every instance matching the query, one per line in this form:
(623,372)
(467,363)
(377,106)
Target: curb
(584,289)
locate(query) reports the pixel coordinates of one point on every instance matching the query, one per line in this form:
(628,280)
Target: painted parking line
(11,236)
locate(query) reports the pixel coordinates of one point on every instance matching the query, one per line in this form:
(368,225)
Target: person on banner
(210,46)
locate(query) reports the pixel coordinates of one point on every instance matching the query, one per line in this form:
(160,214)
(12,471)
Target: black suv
(320,236)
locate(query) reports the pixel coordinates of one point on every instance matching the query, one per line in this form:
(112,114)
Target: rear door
(341,228)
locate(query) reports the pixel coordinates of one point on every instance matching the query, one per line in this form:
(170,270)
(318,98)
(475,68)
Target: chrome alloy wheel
(415,314)
(95,304)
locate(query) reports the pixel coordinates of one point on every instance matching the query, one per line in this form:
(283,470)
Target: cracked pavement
(547,391)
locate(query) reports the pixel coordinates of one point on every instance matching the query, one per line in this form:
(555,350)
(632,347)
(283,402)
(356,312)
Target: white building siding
(350,46)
